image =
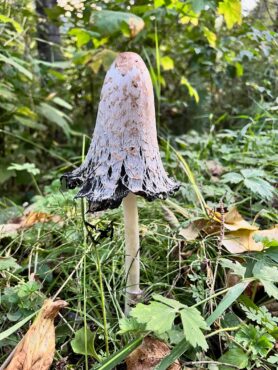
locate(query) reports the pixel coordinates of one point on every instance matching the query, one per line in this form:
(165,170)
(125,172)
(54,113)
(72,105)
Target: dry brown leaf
(28,219)
(148,355)
(243,240)
(36,350)
(191,232)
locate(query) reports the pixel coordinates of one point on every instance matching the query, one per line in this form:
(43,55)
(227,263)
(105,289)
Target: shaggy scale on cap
(124,155)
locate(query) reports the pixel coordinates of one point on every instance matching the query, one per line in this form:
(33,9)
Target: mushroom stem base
(132,252)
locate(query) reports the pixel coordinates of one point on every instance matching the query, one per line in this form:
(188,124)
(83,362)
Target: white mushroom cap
(123,156)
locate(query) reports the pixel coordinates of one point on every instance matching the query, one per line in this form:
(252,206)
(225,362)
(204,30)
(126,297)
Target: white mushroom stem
(132,256)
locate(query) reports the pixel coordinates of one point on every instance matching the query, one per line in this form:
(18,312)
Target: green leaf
(234,356)
(211,37)
(167,63)
(260,187)
(83,343)
(198,5)
(29,167)
(270,288)
(193,322)
(231,9)
(228,300)
(191,90)
(273,359)
(108,22)
(16,25)
(169,302)
(56,116)
(129,324)
(236,267)
(232,178)
(82,36)
(257,340)
(17,66)
(5,334)
(252,172)
(157,316)
(8,263)
(112,361)
(62,103)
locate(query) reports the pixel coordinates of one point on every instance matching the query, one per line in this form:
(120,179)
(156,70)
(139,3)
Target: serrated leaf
(83,343)
(193,322)
(234,356)
(128,324)
(231,9)
(7,263)
(232,178)
(256,339)
(260,187)
(157,316)
(252,172)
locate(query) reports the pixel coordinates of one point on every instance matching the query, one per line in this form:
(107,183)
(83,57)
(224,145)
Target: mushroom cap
(124,155)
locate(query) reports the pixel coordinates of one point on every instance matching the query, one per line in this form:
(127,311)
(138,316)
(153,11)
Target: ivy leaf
(231,10)
(78,344)
(157,316)
(193,322)
(234,356)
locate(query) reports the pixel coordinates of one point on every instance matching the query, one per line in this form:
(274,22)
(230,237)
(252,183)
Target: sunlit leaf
(231,9)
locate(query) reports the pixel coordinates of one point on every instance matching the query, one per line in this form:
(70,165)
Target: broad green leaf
(191,90)
(83,343)
(193,322)
(157,316)
(260,187)
(16,25)
(13,62)
(6,92)
(54,115)
(273,359)
(8,263)
(169,302)
(108,22)
(232,178)
(198,5)
(236,267)
(128,324)
(252,172)
(112,361)
(227,301)
(82,36)
(234,356)
(167,63)
(231,9)
(211,37)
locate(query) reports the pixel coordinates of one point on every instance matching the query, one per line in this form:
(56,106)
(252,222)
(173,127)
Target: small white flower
(79,15)
(68,14)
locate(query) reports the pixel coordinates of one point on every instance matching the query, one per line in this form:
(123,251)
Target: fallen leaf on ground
(36,349)
(28,219)
(148,355)
(243,240)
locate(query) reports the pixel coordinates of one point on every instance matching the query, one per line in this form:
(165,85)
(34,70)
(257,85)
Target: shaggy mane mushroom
(123,160)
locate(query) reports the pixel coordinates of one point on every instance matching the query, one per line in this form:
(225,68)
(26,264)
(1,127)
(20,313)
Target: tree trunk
(48,34)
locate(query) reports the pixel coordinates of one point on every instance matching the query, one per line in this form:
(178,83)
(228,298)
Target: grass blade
(176,353)
(228,300)
(119,356)
(5,334)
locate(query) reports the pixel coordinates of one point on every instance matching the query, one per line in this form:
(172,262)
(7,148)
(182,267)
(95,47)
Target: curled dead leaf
(148,355)
(36,349)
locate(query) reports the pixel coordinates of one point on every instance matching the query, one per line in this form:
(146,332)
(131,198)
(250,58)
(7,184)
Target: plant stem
(132,257)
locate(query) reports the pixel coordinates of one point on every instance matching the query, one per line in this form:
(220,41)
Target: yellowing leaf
(241,241)
(234,221)
(167,63)
(190,17)
(211,37)
(231,9)
(192,91)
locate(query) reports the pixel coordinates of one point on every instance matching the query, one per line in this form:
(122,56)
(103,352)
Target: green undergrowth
(211,306)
